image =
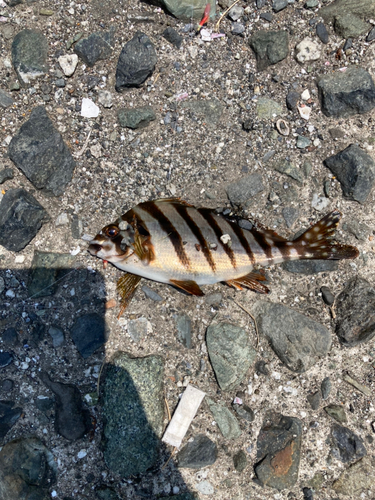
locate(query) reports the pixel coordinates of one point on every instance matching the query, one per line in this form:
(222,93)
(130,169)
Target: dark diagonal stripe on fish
(183,212)
(168,228)
(242,239)
(261,239)
(209,217)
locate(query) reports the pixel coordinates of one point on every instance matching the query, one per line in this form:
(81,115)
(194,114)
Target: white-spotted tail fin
(316,242)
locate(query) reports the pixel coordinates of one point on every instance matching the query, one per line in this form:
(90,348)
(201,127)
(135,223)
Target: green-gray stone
(107,494)
(357,479)
(316,482)
(267,108)
(230,353)
(240,461)
(45,269)
(311,4)
(349,26)
(225,420)
(287,168)
(136,117)
(209,109)
(188,9)
(29,55)
(270,47)
(133,409)
(337,412)
(182,496)
(303,142)
(364,9)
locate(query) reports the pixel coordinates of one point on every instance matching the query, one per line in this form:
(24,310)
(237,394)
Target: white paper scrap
(183,416)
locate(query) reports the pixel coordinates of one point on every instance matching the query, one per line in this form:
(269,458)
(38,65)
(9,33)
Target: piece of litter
(217,35)
(360,387)
(182,96)
(89,109)
(237,401)
(226,239)
(183,416)
(206,35)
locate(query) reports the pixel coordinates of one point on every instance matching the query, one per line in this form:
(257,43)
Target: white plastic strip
(183,416)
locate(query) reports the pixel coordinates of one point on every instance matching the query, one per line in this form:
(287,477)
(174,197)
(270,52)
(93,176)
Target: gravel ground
(194,156)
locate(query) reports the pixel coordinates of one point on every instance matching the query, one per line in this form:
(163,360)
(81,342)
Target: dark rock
(6,175)
(7,385)
(322,33)
(183,324)
(240,461)
(173,37)
(27,470)
(38,331)
(8,417)
(279,5)
(45,404)
(240,192)
(230,352)
(136,117)
(187,10)
(133,408)
(39,151)
(29,55)
(105,493)
(45,271)
(60,83)
(278,451)
(10,337)
(346,446)
(244,412)
(88,333)
(344,94)
(57,335)
(307,494)
(326,387)
(96,47)
(198,453)
(151,294)
(296,339)
(337,412)
(267,16)
(21,217)
(290,215)
(292,99)
(314,400)
(355,312)
(336,133)
(226,421)
(72,421)
(358,229)
(209,109)
(327,295)
(261,368)
(237,28)
(5,100)
(356,480)
(261,3)
(371,36)
(348,44)
(310,266)
(270,47)
(136,62)
(355,171)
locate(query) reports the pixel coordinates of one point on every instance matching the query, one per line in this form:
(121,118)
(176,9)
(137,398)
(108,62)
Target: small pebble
(322,33)
(327,295)
(326,387)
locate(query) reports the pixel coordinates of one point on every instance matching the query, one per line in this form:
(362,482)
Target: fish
(171,241)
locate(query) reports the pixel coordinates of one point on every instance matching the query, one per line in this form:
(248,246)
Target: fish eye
(112,231)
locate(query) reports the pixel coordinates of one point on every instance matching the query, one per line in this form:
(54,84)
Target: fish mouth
(94,248)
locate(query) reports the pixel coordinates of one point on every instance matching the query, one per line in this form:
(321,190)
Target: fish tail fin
(316,242)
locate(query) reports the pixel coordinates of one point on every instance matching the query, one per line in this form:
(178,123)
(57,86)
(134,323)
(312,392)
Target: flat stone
(8,417)
(303,142)
(57,336)
(240,192)
(355,313)
(364,9)
(311,4)
(7,385)
(9,337)
(89,109)
(6,175)
(136,117)
(296,339)
(29,55)
(278,451)
(205,487)
(287,168)
(225,420)
(244,412)
(237,29)
(136,62)
(21,217)
(27,470)
(45,271)
(270,47)
(68,63)
(314,400)
(292,99)
(133,408)
(5,99)
(151,294)
(188,9)
(88,333)
(337,412)
(349,25)
(5,359)
(209,109)
(230,352)
(357,479)
(307,50)
(347,93)
(327,295)
(290,215)
(39,151)
(72,421)
(198,454)
(267,108)
(345,445)
(326,387)
(240,461)
(355,171)
(279,5)
(96,47)
(138,328)
(173,37)
(310,266)
(183,325)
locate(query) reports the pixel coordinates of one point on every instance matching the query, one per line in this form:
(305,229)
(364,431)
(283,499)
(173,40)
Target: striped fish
(173,242)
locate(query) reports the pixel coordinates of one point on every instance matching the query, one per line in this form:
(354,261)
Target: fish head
(113,242)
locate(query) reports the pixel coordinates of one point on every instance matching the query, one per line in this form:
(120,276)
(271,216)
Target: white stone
(89,109)
(193,51)
(10,294)
(105,98)
(62,219)
(82,454)
(19,259)
(305,95)
(68,63)
(205,488)
(307,50)
(305,112)
(96,150)
(320,203)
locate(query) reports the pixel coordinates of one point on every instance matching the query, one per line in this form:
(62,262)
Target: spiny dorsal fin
(173,200)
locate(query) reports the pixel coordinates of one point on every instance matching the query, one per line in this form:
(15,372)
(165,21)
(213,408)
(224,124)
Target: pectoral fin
(126,287)
(188,286)
(250,281)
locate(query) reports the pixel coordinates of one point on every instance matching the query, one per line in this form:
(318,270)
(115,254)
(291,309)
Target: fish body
(173,242)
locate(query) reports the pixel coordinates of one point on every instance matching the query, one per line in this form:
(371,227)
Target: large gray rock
(136,117)
(296,339)
(133,408)
(29,55)
(230,353)
(198,453)
(364,9)
(187,9)
(225,420)
(21,217)
(39,151)
(348,93)
(356,479)
(96,47)
(270,47)
(355,171)
(136,62)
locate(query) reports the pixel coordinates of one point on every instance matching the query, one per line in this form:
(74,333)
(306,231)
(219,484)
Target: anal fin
(250,281)
(188,286)
(126,287)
